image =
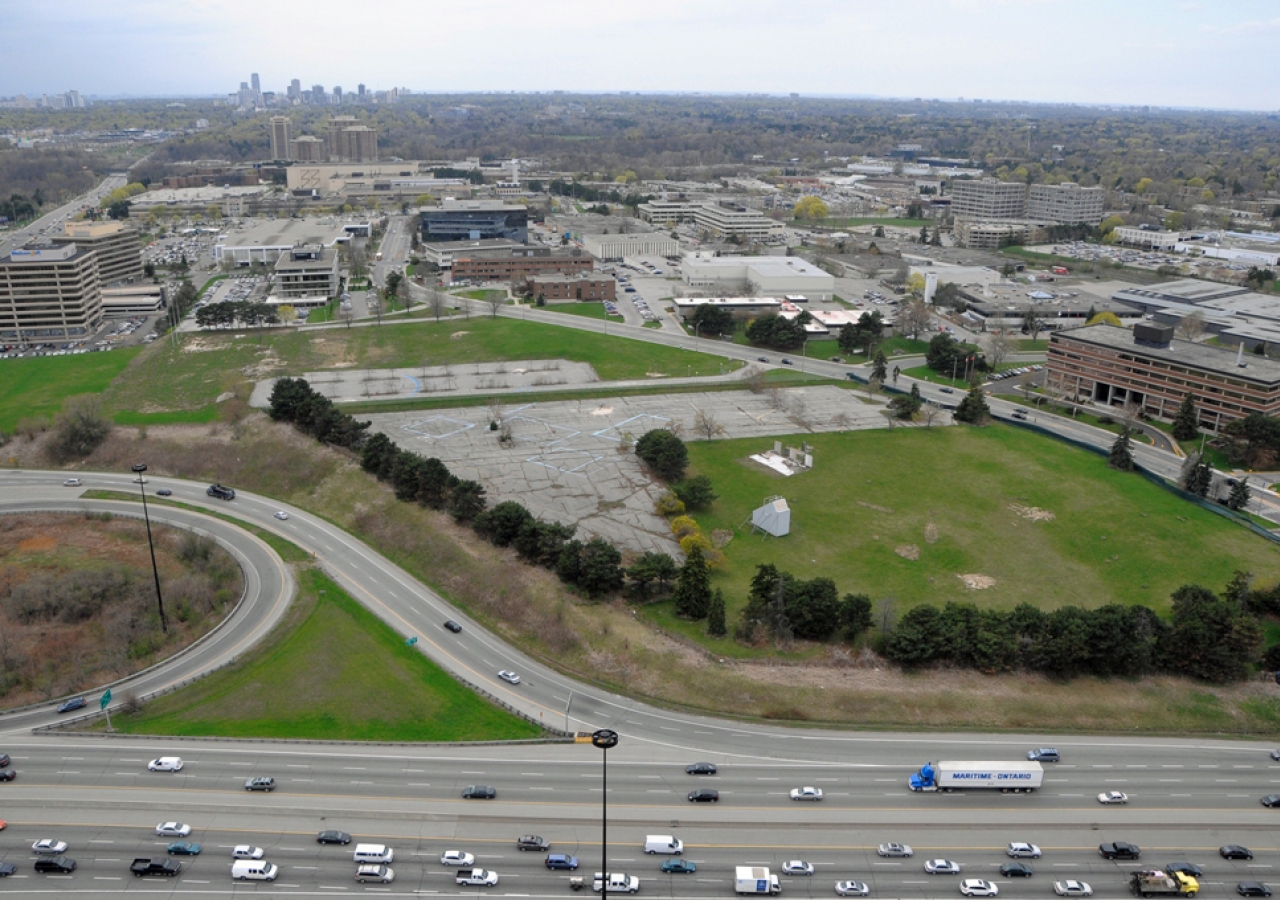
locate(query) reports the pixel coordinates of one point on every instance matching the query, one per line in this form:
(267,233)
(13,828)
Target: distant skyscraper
(337,95)
(360,93)
(281,137)
(257,85)
(295,91)
(318,96)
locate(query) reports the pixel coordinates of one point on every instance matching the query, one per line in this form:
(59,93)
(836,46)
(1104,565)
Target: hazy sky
(1215,53)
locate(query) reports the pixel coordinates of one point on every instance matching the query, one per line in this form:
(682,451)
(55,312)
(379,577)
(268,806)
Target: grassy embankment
(35,388)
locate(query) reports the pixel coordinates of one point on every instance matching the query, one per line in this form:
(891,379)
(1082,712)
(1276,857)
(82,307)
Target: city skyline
(1181,54)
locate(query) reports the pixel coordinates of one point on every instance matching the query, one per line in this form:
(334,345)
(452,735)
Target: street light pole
(604,739)
(142,486)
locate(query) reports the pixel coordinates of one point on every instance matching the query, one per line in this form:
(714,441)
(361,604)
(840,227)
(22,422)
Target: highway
(50,223)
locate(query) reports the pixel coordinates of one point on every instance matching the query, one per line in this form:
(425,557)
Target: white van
(166,764)
(663,843)
(253,870)
(374,853)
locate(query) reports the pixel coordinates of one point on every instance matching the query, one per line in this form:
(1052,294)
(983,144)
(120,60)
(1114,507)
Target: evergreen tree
(1196,476)
(1121,456)
(879,367)
(1239,497)
(715,615)
(973,408)
(1186,423)
(693,590)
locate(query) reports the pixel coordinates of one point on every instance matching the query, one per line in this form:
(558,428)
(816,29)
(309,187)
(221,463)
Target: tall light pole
(142,486)
(604,739)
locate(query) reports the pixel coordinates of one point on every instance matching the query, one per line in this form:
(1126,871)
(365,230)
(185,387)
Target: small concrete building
(561,288)
(614,247)
(765,275)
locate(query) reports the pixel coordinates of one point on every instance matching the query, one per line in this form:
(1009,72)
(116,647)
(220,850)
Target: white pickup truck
(476,877)
(619,883)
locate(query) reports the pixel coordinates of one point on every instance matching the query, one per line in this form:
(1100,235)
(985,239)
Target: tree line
(228,312)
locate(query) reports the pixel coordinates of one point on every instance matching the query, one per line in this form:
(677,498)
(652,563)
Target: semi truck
(1019,776)
(1151,882)
(476,877)
(755,880)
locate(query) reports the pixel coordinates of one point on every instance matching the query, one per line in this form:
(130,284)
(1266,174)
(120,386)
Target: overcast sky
(1214,53)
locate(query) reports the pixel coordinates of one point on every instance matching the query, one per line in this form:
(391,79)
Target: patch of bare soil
(458,334)
(907,551)
(931,533)
(655,374)
(976,582)
(720,538)
(865,505)
(1033,513)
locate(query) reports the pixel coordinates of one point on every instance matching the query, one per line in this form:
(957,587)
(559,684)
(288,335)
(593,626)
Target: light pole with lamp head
(142,486)
(604,739)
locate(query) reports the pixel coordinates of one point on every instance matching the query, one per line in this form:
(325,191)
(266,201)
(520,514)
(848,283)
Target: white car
(245,851)
(942,867)
(1018,850)
(49,845)
(1072,889)
(806,793)
(72,482)
(797,867)
(1113,797)
(976,887)
(172,829)
(508,676)
(895,850)
(456,858)
(282,515)
(852,889)
(166,764)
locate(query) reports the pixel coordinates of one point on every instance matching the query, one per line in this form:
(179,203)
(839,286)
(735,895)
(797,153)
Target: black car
(1019,414)
(1185,868)
(7,869)
(479,792)
(704,796)
(1015,870)
(1119,850)
(947,390)
(701,769)
(261,783)
(59,865)
(333,837)
(532,842)
(1252,889)
(763,358)
(77,703)
(452,626)
(1235,851)
(1271,800)
(787,362)
(164,492)
(7,774)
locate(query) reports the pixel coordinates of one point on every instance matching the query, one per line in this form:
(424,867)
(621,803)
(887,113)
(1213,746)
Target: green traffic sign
(106,698)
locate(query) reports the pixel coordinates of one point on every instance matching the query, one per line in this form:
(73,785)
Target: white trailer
(1018,776)
(755,880)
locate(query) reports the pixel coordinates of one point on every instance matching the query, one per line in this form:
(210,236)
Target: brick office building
(518,267)
(553,288)
(1111,366)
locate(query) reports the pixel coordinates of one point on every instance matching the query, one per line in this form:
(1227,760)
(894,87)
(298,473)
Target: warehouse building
(615,247)
(762,275)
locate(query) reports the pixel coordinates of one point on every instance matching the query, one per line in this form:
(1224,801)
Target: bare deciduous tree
(841,421)
(914,319)
(707,425)
(930,414)
(435,300)
(346,315)
(496,300)
(754,379)
(998,349)
(1191,328)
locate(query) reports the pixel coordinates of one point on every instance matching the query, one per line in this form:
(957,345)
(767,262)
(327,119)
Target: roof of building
(1185,353)
(1187,290)
(481,244)
(567,279)
(286,233)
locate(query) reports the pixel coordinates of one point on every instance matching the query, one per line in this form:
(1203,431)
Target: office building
(49,291)
(623,246)
(562,288)
(441,254)
(1109,366)
(741,307)
(976,234)
(305,272)
(764,275)
(988,199)
(267,240)
(294,92)
(307,148)
(116,245)
(318,96)
(473,220)
(1065,204)
(281,137)
(518,266)
(726,219)
(667,212)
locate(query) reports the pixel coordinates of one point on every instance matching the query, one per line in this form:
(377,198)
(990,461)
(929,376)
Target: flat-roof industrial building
(266,241)
(765,275)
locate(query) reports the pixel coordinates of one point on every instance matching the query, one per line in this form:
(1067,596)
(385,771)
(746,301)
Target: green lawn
(588,310)
(1115,536)
(895,346)
(924,373)
(331,672)
(35,388)
(186,380)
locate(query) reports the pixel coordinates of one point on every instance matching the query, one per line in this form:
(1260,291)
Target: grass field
(332,671)
(588,310)
(35,388)
(1114,537)
(188,379)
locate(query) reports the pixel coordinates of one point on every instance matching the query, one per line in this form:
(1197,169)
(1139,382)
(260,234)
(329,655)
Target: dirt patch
(864,505)
(721,537)
(199,345)
(655,374)
(40,544)
(931,533)
(907,551)
(977,582)
(458,334)
(1034,513)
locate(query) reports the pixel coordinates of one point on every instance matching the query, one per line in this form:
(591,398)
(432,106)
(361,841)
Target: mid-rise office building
(281,137)
(988,199)
(1065,204)
(623,246)
(474,220)
(117,246)
(519,266)
(734,220)
(49,291)
(308,271)
(557,288)
(1147,367)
